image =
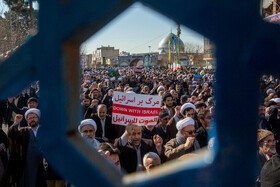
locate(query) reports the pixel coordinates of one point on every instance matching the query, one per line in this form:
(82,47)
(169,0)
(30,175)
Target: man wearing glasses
(87,129)
(184,142)
(267,146)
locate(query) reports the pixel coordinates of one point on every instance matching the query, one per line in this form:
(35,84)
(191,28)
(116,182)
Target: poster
(137,108)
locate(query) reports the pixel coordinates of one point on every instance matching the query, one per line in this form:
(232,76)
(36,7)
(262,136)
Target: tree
(18,6)
(195,53)
(193,48)
(16,24)
(14,30)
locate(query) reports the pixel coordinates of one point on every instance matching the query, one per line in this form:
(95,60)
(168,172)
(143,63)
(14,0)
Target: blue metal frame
(246,48)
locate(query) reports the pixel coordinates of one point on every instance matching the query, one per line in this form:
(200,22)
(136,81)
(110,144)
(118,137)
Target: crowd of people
(185,118)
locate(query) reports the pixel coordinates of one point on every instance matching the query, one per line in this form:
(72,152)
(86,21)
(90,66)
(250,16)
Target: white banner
(137,108)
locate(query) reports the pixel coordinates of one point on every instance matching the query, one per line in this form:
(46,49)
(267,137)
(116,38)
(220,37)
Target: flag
(138,70)
(174,49)
(202,72)
(178,49)
(169,55)
(112,73)
(170,66)
(85,81)
(178,65)
(165,64)
(108,61)
(121,71)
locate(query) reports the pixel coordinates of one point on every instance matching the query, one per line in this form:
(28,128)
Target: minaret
(178,31)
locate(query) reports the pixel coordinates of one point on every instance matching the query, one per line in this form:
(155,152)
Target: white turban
(269,90)
(276,100)
(87,122)
(185,106)
(130,92)
(184,122)
(160,88)
(32,110)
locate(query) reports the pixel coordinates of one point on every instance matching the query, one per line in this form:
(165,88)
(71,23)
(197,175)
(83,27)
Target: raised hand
(18,118)
(189,142)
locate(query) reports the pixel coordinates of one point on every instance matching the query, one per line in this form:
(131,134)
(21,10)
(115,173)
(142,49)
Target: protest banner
(137,108)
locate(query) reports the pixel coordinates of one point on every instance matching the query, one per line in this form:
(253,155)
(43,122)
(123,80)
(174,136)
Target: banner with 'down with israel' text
(137,108)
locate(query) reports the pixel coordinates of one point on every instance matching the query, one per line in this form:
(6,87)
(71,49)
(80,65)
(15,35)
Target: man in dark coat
(86,104)
(3,153)
(148,132)
(31,103)
(161,127)
(263,123)
(25,166)
(201,134)
(105,129)
(3,111)
(107,99)
(267,146)
(133,148)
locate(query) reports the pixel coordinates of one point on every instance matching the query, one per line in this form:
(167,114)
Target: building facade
(105,56)
(209,54)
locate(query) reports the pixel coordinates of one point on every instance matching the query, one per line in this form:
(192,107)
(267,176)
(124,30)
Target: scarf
(181,140)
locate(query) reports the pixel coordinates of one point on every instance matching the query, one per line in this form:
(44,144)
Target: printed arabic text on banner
(137,108)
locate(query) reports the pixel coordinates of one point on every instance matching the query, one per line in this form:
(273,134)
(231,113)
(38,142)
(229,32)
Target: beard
(33,124)
(89,139)
(269,150)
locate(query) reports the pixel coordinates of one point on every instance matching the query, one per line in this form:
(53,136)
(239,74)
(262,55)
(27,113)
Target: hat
(269,90)
(130,92)
(262,133)
(32,110)
(32,99)
(160,88)
(184,122)
(185,106)
(270,173)
(87,122)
